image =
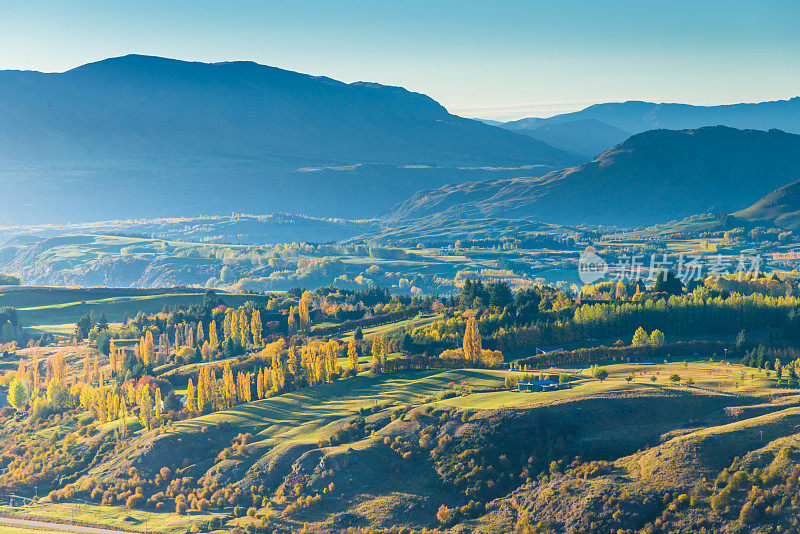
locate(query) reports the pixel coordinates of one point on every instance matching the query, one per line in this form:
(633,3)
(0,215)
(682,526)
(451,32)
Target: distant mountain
(585,137)
(129,132)
(652,177)
(637,117)
(780,208)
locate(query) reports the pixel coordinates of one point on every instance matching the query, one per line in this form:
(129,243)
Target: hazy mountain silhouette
(591,138)
(195,130)
(652,177)
(585,137)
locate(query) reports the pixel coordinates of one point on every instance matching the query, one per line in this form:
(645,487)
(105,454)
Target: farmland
(182,409)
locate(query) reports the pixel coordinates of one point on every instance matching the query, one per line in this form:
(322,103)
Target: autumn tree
(472,341)
(304,309)
(657,338)
(256,328)
(191,398)
(352,356)
(17,396)
(640,338)
(212,334)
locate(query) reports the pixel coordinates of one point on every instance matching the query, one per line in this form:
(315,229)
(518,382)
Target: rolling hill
(136,132)
(780,208)
(652,177)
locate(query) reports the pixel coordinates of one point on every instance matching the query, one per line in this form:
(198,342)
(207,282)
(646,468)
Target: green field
(303,415)
(399,326)
(108,516)
(67,305)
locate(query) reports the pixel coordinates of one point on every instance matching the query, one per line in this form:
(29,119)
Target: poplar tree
(304,309)
(256,328)
(200,335)
(212,334)
(472,341)
(352,356)
(244,328)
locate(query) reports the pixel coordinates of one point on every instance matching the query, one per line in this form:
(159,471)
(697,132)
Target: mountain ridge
(650,178)
(180,129)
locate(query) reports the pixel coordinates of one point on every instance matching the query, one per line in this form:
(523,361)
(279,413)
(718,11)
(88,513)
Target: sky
(496,59)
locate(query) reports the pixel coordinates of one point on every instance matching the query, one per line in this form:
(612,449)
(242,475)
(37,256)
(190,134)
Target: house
(548,350)
(542,385)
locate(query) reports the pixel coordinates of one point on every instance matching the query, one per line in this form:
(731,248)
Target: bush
(135,501)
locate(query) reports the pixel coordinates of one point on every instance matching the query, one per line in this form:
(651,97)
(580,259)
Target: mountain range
(127,136)
(597,128)
(652,177)
(148,137)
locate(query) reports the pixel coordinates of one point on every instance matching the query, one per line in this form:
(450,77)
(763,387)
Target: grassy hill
(779,208)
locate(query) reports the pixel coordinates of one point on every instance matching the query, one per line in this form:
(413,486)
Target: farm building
(548,350)
(542,385)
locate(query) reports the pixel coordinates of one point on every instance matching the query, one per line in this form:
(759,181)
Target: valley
(239,298)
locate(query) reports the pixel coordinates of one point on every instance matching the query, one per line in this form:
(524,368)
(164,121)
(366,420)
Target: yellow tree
(304,309)
(226,324)
(189,335)
(260,384)
(35,369)
(376,354)
(86,378)
(293,362)
(640,338)
(278,368)
(331,355)
(256,328)
(202,399)
(244,328)
(200,336)
(229,386)
(472,341)
(212,334)
(352,356)
(235,332)
(191,400)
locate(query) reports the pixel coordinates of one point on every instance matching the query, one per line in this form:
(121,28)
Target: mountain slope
(780,208)
(652,177)
(587,137)
(181,128)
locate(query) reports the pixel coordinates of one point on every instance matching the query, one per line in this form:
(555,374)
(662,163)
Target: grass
(399,326)
(27,530)
(302,416)
(60,314)
(516,399)
(111,516)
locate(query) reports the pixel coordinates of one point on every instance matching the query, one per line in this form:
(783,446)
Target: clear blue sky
(492,59)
